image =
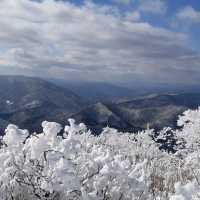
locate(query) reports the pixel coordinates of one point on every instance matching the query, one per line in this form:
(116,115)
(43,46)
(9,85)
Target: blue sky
(165,20)
(110,41)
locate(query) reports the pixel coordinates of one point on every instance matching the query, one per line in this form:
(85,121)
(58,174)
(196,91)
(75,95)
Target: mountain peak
(29,100)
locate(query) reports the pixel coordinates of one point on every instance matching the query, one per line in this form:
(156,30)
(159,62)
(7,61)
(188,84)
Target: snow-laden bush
(112,166)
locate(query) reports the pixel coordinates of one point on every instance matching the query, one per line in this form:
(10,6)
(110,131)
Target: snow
(186,192)
(33,104)
(8,102)
(113,165)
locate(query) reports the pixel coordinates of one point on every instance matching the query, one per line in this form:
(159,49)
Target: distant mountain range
(27,101)
(94,92)
(156,111)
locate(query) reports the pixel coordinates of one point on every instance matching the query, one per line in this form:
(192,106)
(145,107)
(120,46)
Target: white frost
(114,165)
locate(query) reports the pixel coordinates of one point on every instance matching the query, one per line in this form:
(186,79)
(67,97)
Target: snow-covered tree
(111,166)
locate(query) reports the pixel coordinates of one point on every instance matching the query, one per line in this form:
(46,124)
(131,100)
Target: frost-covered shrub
(190,132)
(191,190)
(111,166)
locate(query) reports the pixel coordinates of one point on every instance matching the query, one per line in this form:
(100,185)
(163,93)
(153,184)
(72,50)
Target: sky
(102,40)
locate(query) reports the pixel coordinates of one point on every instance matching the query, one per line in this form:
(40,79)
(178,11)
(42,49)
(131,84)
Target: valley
(27,101)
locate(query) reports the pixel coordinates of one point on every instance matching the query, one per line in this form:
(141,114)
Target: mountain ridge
(157,111)
(27,101)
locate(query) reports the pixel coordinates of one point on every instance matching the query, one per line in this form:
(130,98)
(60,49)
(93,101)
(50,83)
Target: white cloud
(189,14)
(125,2)
(153,6)
(133,16)
(89,42)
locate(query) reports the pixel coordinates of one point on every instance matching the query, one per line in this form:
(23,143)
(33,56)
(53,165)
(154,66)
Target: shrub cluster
(111,166)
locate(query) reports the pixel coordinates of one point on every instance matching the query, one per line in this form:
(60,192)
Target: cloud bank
(94,42)
(189,14)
